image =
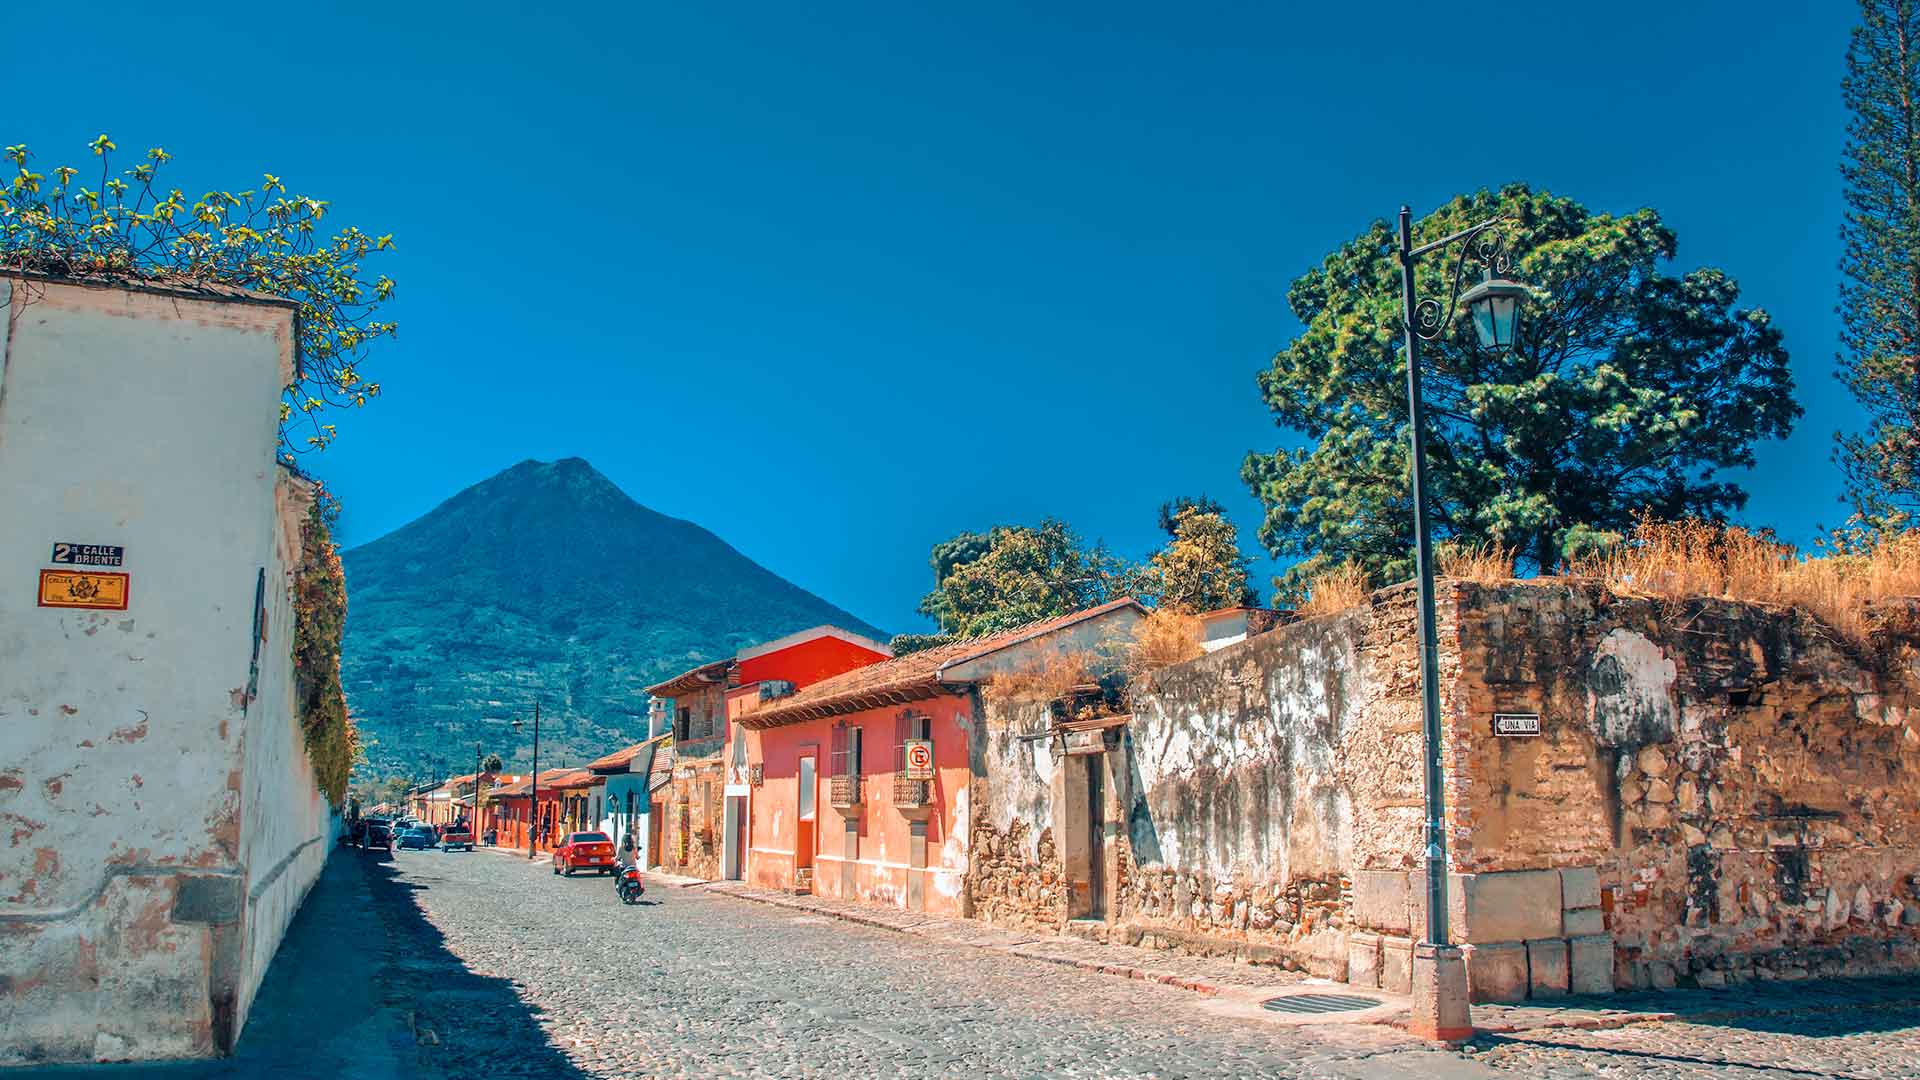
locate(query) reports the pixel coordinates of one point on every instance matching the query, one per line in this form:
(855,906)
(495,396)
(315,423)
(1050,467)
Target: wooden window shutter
(839,761)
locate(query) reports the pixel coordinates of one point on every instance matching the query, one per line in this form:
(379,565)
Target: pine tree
(1880,298)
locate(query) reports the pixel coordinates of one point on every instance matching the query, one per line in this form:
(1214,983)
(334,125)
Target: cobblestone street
(696,984)
(481,964)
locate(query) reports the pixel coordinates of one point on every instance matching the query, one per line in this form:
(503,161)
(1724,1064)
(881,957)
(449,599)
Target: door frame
(806,819)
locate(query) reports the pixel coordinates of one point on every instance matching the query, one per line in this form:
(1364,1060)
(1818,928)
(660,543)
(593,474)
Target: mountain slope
(546,581)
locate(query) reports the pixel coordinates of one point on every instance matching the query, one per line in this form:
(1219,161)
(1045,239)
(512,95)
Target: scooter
(628,886)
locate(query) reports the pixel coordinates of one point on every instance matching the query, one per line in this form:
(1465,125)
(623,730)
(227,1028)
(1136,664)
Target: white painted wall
(137,777)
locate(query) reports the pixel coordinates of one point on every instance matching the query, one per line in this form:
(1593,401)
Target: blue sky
(839,284)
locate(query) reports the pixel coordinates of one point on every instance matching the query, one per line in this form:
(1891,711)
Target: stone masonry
(1718,792)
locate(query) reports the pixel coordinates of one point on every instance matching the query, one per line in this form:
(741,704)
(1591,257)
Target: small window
(807,794)
(683,727)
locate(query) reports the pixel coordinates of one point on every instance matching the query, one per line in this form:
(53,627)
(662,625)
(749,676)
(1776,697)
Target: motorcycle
(628,886)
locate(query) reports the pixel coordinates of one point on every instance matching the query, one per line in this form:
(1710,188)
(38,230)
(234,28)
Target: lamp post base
(1440,1004)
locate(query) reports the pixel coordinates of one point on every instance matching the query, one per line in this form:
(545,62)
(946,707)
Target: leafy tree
(1628,391)
(1171,510)
(265,239)
(902,644)
(1201,568)
(1880,236)
(1015,574)
(493,764)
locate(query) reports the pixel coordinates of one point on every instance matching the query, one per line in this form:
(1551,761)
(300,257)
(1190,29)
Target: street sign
(104,591)
(88,554)
(1516,723)
(919,759)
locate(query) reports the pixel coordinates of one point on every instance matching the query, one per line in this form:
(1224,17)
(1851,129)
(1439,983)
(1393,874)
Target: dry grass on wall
(1682,559)
(1163,638)
(1340,588)
(1047,681)
(1484,564)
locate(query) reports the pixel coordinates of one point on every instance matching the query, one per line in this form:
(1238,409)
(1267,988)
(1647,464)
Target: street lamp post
(1441,1008)
(533,782)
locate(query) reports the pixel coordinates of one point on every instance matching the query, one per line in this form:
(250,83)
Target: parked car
(378,836)
(583,851)
(456,835)
(416,837)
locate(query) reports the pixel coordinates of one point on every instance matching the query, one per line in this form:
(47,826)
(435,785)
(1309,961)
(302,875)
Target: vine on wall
(320,617)
(265,240)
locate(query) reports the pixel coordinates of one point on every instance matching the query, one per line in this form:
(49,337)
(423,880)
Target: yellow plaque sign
(81,589)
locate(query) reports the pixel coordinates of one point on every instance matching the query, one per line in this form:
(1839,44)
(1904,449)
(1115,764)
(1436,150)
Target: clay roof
(622,760)
(694,678)
(548,778)
(913,677)
(574,780)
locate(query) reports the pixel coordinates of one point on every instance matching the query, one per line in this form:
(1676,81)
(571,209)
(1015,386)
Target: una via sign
(1516,723)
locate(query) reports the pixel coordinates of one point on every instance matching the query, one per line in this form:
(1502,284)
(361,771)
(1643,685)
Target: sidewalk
(1244,981)
(1199,974)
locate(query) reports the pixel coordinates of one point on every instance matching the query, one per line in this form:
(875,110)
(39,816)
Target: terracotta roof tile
(912,677)
(622,760)
(548,779)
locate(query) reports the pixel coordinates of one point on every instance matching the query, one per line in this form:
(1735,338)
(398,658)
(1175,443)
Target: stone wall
(1717,791)
(691,834)
(1740,785)
(1014,875)
(1261,773)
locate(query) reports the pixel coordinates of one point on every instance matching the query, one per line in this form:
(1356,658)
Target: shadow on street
(364,988)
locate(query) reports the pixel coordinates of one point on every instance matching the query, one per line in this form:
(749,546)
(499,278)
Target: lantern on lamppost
(1441,1008)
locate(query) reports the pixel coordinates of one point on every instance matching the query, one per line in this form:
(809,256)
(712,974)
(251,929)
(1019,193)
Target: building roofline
(916,684)
(810,634)
(181,288)
(694,678)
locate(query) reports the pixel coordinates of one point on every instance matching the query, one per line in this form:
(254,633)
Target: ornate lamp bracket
(1485,246)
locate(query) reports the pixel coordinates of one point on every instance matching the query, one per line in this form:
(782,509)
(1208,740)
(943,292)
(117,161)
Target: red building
(835,809)
(509,815)
(699,825)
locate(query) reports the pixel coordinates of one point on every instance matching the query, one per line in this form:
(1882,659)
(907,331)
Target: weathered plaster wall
(136,910)
(1245,785)
(1263,771)
(285,820)
(1016,877)
(1745,785)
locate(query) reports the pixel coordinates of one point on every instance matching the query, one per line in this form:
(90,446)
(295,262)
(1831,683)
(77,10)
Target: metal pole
(1429,647)
(533,803)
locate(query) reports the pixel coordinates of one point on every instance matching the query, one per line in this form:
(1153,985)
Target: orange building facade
(701,824)
(836,810)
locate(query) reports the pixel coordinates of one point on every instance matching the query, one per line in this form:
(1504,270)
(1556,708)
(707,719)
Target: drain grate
(1319,1003)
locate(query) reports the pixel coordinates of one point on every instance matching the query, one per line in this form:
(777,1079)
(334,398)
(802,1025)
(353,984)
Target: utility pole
(533,788)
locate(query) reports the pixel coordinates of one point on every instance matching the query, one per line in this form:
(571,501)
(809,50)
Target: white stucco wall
(145,798)
(614,808)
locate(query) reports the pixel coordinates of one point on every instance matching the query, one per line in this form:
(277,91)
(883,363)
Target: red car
(584,851)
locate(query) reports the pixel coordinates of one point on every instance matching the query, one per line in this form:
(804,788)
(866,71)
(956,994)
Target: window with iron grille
(908,725)
(845,763)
